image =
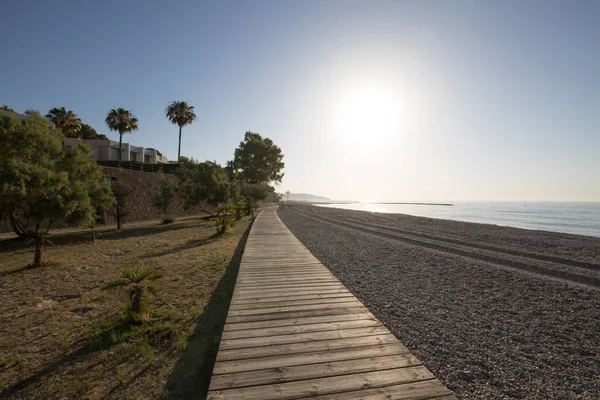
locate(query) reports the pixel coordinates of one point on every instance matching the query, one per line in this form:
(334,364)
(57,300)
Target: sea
(576,218)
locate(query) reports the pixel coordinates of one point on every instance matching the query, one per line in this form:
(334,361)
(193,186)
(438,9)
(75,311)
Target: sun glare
(371,111)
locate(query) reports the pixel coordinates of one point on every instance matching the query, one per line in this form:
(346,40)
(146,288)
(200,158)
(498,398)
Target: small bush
(168,219)
(240,210)
(224,220)
(249,205)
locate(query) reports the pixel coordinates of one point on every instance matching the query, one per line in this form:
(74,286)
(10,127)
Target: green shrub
(240,210)
(168,219)
(224,219)
(249,205)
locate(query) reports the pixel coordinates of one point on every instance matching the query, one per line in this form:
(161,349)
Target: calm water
(578,218)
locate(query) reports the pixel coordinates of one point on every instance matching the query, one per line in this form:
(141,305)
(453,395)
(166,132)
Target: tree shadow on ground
(143,231)
(191,376)
(190,244)
(27,268)
(99,342)
(62,239)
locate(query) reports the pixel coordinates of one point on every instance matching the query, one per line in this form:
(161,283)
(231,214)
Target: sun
(372,112)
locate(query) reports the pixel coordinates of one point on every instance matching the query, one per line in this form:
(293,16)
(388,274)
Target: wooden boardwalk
(293,331)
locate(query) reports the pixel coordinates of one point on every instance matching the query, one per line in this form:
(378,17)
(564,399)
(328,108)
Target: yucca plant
(137,278)
(224,220)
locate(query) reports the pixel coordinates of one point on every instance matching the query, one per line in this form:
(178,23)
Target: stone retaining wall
(140,188)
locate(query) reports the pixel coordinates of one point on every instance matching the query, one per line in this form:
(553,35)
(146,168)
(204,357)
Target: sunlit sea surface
(577,218)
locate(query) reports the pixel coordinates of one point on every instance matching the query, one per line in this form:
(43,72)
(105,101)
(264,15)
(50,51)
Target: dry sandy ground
(62,335)
(494,312)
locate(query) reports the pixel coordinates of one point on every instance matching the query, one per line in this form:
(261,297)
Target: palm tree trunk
(136,299)
(118,215)
(179,149)
(37,259)
(120,150)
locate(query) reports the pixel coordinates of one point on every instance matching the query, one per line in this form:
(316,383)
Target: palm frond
(115,284)
(121,120)
(180,113)
(138,274)
(152,289)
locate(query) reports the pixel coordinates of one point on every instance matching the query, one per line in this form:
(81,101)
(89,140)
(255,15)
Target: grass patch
(4,361)
(73,339)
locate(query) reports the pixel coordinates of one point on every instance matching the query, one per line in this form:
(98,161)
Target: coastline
(577,218)
(494,312)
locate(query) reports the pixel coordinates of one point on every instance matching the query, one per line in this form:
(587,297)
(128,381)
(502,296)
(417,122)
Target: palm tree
(182,114)
(121,120)
(137,278)
(66,121)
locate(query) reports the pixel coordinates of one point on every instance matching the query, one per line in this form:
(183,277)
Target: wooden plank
(288,292)
(299,372)
(322,386)
(309,347)
(248,296)
(244,280)
(294,285)
(273,277)
(253,364)
(363,315)
(301,337)
(294,314)
(294,331)
(321,306)
(424,390)
(295,297)
(284,272)
(249,306)
(288,330)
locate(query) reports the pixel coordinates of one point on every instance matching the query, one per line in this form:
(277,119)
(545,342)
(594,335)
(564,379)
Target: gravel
(494,312)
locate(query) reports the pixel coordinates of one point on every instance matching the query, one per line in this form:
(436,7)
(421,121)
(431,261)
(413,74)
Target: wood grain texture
(293,331)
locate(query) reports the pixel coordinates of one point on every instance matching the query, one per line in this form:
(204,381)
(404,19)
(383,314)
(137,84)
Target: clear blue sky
(398,100)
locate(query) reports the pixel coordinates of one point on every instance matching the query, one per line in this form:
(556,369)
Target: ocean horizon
(580,218)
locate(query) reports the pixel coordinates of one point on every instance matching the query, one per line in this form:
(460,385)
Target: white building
(108,150)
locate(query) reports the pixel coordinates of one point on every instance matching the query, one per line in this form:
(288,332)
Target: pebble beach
(494,312)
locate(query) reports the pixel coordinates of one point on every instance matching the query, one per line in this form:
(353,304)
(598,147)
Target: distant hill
(304,197)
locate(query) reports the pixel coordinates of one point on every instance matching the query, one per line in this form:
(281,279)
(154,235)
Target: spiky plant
(122,121)
(180,113)
(137,278)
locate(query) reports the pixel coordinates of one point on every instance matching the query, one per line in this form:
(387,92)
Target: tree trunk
(118,216)
(17,228)
(120,149)
(136,299)
(37,259)
(179,149)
